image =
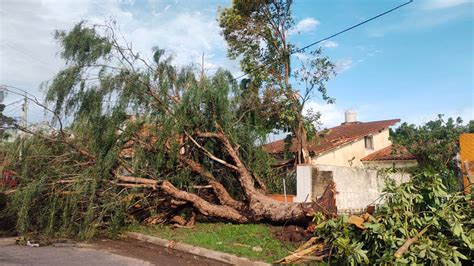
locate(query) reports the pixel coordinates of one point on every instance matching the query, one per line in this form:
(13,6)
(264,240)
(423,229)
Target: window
(369,142)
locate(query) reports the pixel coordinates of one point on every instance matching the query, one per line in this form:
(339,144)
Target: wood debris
(301,254)
(314,249)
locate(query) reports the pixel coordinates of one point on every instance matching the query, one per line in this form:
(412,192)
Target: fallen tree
(186,133)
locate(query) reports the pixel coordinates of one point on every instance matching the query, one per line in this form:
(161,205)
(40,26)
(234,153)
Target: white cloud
(187,35)
(329,44)
(331,115)
(440,4)
(305,25)
(28,52)
(466,113)
(343,65)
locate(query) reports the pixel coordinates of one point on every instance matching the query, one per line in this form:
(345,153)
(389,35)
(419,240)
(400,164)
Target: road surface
(101,252)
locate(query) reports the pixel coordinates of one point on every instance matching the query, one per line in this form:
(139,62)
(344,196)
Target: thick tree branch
(136,180)
(210,155)
(221,193)
(204,207)
(245,178)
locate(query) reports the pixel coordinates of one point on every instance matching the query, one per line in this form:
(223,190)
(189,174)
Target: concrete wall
(342,156)
(304,183)
(356,188)
(389,164)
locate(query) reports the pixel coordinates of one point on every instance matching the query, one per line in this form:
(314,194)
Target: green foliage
(5,122)
(37,203)
(258,33)
(64,192)
(408,209)
(255,31)
(313,74)
(83,44)
(435,145)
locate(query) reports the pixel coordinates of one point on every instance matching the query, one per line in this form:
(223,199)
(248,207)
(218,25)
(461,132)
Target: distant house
(353,144)
(14,133)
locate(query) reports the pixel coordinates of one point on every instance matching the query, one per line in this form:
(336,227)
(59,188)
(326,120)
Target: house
(13,133)
(350,155)
(352,144)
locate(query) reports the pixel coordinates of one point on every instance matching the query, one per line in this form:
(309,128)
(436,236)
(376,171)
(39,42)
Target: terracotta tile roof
(336,136)
(388,154)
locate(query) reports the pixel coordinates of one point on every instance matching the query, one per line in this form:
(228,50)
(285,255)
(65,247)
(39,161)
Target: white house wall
(342,156)
(304,183)
(389,164)
(356,188)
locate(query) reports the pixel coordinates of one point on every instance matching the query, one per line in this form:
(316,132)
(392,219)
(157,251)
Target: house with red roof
(352,144)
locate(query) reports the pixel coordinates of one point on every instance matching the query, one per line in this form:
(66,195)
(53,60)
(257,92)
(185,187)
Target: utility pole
(24,117)
(202,67)
(2,94)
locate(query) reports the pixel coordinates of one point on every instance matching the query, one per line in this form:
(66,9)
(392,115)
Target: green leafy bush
(408,209)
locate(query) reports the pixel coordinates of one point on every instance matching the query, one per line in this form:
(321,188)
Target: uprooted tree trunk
(256,207)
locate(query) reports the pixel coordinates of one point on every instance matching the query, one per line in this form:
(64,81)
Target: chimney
(350,117)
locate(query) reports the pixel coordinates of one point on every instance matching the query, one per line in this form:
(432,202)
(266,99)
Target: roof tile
(336,136)
(389,154)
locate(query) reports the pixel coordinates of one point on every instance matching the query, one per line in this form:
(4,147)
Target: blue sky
(411,64)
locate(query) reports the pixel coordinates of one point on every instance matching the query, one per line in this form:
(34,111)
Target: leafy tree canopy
(435,144)
(258,33)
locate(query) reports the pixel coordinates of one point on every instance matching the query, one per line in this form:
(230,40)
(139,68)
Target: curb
(203,252)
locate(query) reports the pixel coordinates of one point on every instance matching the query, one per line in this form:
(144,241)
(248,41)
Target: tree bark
(257,206)
(221,193)
(203,206)
(303,156)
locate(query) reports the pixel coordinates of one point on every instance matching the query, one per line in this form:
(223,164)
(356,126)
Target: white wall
(389,164)
(303,183)
(342,156)
(356,188)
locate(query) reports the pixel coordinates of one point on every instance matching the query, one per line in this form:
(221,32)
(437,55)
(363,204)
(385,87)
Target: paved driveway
(102,252)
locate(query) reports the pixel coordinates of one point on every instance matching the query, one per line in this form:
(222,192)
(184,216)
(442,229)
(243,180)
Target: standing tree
(257,33)
(435,145)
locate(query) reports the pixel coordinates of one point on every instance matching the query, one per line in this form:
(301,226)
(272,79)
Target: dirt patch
(292,233)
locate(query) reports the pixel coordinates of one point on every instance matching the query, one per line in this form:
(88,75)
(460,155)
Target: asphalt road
(102,252)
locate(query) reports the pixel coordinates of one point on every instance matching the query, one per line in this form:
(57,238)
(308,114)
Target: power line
(24,92)
(17,101)
(335,34)
(14,109)
(25,54)
(9,87)
(352,27)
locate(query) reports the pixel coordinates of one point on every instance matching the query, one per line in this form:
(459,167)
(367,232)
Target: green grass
(237,239)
